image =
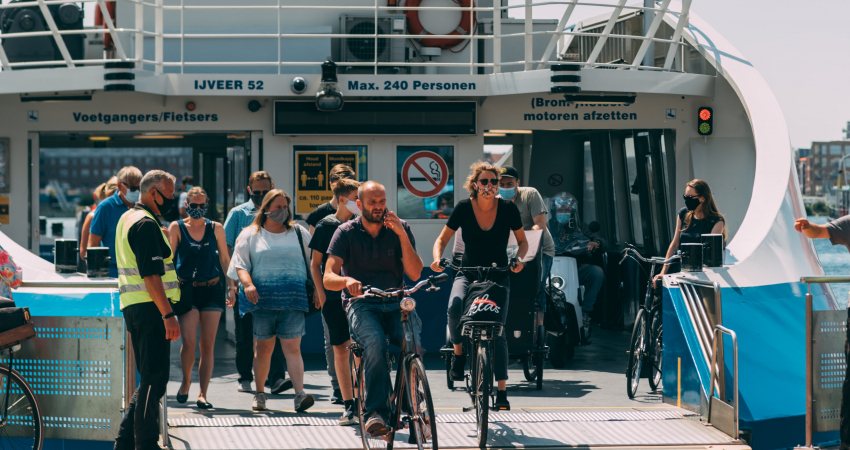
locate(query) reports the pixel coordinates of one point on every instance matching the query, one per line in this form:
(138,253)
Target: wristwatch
(169,315)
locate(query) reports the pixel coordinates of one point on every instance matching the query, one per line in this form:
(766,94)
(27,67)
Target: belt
(211,282)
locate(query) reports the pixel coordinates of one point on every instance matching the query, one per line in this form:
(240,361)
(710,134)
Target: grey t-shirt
(530,204)
(839,231)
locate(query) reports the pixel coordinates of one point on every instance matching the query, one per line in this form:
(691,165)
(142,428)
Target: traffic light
(705,120)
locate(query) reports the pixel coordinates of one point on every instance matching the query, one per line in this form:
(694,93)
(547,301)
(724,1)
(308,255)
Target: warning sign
(312,187)
(424,174)
(425,181)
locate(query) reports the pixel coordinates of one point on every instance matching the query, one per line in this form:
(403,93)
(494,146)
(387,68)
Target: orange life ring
(464,27)
(98,21)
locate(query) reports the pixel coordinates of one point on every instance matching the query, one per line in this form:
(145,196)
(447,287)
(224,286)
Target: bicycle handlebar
(631,252)
(446,263)
(369,291)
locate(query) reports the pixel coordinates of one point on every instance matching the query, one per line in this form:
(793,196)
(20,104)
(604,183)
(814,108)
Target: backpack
(485,301)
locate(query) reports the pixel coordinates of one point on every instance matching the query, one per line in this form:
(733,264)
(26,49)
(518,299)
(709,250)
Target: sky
(802,49)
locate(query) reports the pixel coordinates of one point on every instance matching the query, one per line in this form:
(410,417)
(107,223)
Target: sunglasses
(197,205)
(486,181)
(260,193)
(688,197)
(349,176)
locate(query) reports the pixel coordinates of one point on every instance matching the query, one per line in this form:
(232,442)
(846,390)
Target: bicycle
(645,342)
(21,426)
(410,401)
(480,335)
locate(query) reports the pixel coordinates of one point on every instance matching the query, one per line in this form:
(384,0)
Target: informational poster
(425,181)
(4,209)
(312,165)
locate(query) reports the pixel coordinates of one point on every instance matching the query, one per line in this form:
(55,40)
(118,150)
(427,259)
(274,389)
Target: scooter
(564,319)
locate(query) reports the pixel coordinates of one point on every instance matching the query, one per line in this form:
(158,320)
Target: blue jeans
(591,277)
(372,323)
(545,269)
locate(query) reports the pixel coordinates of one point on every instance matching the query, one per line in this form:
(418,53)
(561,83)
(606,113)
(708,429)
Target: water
(835,261)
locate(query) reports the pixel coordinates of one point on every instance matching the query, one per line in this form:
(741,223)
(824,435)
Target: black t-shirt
(321,211)
(692,234)
(372,261)
(146,240)
(482,248)
(322,236)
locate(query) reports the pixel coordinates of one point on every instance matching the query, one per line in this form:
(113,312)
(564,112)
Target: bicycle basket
(485,301)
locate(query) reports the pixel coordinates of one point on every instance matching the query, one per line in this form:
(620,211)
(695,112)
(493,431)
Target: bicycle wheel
(529,368)
(423,423)
(655,349)
(483,385)
(637,346)
(369,441)
(20,421)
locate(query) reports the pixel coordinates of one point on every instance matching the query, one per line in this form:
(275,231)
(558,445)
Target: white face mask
(351,206)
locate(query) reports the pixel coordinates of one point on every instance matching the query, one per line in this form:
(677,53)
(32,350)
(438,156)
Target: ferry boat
(619,103)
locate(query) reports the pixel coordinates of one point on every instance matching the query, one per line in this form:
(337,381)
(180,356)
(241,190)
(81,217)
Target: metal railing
(721,414)
(160,34)
(825,337)
(705,311)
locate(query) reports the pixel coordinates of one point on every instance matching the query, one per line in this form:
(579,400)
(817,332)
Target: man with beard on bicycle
(375,250)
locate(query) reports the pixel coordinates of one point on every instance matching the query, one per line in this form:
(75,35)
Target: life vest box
(97,259)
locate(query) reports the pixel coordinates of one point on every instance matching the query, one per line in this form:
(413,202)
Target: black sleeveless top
(692,234)
(197,260)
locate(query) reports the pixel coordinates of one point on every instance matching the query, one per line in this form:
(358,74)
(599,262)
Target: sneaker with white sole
(349,416)
(376,426)
(245,386)
(259,402)
(303,401)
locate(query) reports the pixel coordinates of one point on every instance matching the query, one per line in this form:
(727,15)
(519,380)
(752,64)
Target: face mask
(351,206)
(691,202)
(197,213)
(507,193)
(278,215)
(167,206)
(133,196)
(257,199)
(562,218)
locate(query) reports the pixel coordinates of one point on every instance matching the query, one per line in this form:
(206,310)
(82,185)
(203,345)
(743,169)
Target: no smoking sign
(424,174)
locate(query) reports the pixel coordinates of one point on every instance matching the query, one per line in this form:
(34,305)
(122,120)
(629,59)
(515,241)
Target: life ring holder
(464,26)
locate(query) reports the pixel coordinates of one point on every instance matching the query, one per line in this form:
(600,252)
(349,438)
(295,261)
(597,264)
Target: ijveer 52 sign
(312,187)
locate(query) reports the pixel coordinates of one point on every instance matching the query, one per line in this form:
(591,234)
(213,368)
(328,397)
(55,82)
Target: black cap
(508,171)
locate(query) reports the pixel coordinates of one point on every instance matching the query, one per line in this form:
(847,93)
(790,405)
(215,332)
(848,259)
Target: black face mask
(691,202)
(168,205)
(257,197)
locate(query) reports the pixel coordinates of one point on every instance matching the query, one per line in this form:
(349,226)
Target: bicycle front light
(557,282)
(408,304)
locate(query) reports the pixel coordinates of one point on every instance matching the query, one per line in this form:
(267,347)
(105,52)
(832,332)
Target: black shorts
(335,317)
(203,298)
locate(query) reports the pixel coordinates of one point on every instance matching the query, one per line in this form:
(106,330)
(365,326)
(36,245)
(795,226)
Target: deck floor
(584,406)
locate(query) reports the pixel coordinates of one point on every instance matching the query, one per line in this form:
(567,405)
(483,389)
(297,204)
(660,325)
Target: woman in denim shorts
(200,259)
(267,261)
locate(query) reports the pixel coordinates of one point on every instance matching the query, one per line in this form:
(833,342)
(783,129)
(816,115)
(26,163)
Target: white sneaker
(245,386)
(259,402)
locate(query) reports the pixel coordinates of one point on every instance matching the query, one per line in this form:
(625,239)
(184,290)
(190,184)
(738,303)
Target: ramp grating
(501,417)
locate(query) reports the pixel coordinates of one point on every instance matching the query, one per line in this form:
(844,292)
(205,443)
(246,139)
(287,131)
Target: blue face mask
(507,193)
(133,196)
(562,218)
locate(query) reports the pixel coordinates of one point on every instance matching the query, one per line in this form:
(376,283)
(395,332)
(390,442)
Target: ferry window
(499,154)
(589,196)
(632,172)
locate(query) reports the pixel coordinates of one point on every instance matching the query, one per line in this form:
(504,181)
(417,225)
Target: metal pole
(809,380)
(648,16)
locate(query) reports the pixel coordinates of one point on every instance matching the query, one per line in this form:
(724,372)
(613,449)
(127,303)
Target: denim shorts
(285,324)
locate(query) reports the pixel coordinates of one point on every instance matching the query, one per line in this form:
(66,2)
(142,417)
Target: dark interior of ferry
(620,179)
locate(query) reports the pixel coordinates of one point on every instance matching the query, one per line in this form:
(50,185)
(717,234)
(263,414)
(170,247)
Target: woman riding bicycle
(487,222)
(699,216)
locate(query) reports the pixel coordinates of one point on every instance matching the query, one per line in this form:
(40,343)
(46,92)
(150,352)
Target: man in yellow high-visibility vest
(148,286)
